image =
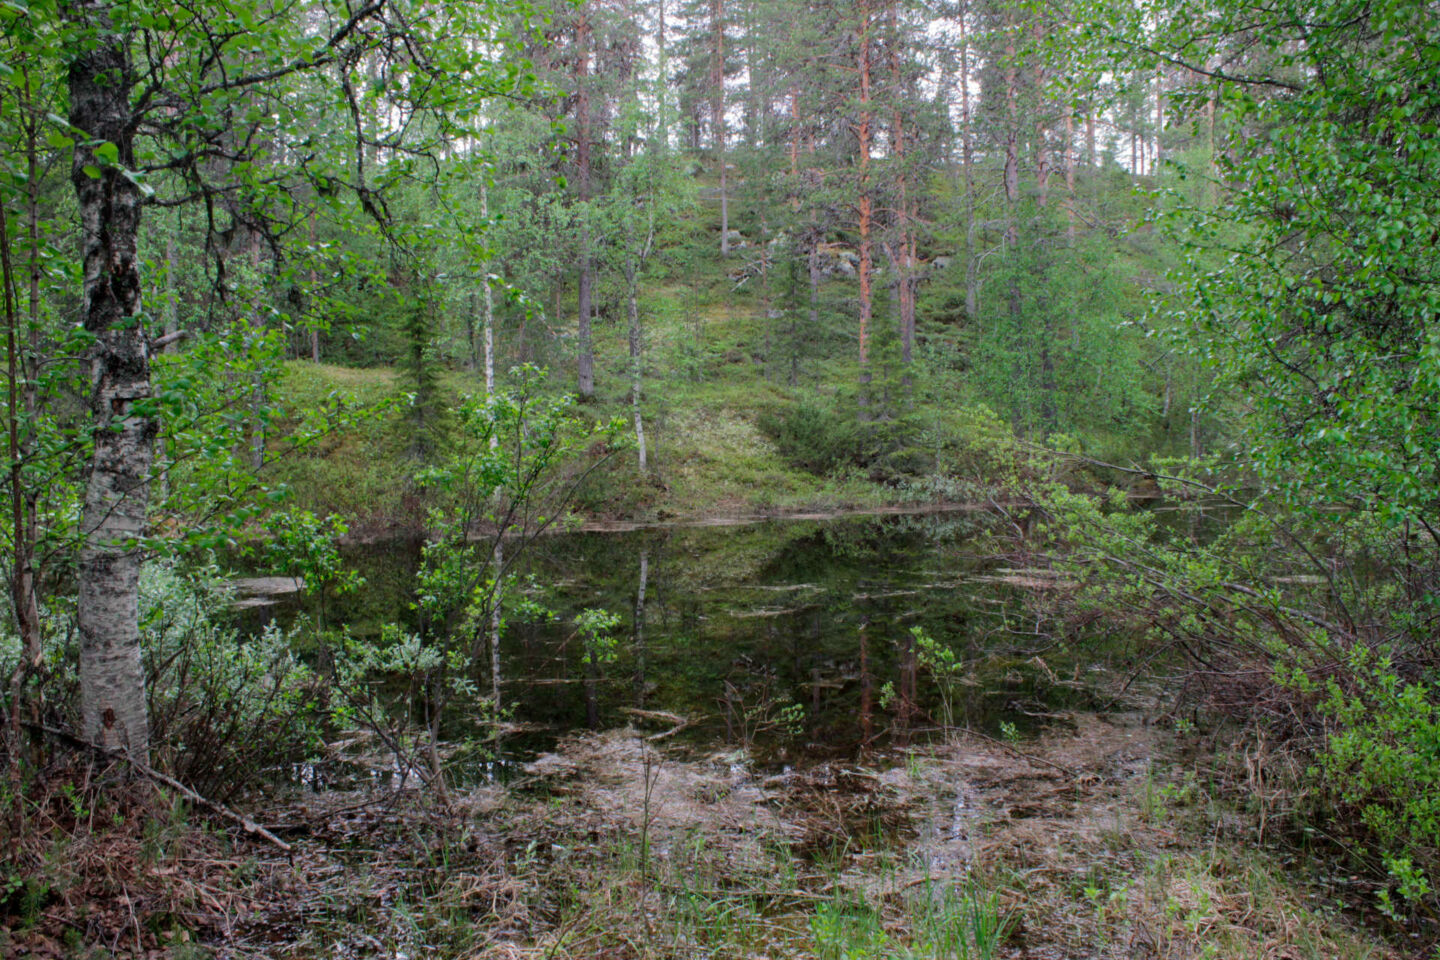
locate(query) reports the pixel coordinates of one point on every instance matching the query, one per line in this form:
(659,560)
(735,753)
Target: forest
(639,479)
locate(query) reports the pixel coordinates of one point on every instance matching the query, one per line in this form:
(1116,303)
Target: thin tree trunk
(592,689)
(1042,184)
(867,691)
(636,357)
(1070,176)
(586,362)
(906,684)
(472,334)
(904,266)
(488,299)
(794,148)
(967,162)
(1159,109)
(639,628)
(497,566)
(314,282)
(257,383)
(497,560)
(1042,126)
(1012,139)
(717,115)
(1212,187)
(22,528)
(863,132)
(112,677)
(172,298)
(432,754)
(1012,178)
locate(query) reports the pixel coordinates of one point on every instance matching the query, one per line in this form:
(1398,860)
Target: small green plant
(958,922)
(848,929)
(74,801)
(945,668)
(306,547)
(165,835)
(1108,904)
(596,627)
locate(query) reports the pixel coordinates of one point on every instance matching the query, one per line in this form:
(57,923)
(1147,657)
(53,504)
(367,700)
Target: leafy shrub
(1381,761)
(224,708)
(1294,624)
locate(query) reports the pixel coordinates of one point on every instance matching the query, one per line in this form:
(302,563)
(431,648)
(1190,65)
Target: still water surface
(791,638)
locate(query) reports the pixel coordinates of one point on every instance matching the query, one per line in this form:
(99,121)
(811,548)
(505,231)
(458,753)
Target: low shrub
(823,440)
(224,708)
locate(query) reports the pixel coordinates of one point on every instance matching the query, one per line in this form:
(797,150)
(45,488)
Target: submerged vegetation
(751,478)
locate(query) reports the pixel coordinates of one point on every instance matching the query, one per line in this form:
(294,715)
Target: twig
(1028,757)
(245,823)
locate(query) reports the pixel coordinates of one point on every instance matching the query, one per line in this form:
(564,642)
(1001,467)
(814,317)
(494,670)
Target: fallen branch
(245,823)
(678,722)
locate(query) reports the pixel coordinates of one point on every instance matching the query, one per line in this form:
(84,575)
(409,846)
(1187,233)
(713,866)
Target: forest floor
(1104,837)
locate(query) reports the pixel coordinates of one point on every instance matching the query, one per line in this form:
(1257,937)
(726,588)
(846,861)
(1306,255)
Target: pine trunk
(586,360)
(717,115)
(905,259)
(1070,176)
(866,212)
(967,162)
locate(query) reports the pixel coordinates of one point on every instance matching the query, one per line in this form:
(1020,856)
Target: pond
(789,638)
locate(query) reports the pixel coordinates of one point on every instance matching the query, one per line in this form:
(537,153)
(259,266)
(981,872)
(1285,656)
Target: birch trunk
(497,559)
(112,677)
(636,357)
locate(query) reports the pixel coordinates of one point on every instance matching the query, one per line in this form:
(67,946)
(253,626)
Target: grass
(707,455)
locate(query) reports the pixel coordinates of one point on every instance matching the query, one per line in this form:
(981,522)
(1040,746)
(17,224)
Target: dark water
(779,636)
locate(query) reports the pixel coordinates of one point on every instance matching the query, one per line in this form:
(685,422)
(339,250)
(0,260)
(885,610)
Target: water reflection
(791,638)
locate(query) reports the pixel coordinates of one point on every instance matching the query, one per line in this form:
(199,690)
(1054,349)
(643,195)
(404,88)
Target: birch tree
(152,95)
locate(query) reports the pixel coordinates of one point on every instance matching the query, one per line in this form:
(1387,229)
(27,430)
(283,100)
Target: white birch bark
(112,678)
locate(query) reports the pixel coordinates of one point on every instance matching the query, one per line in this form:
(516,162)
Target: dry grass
(1090,839)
